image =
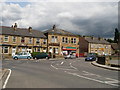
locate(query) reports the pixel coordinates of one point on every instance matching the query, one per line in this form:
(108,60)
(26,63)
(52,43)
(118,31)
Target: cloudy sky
(84,18)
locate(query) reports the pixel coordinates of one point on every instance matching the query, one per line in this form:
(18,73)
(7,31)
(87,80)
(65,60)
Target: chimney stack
(30,29)
(15,26)
(54,26)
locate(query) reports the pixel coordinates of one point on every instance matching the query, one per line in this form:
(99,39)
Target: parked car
(22,55)
(70,56)
(91,57)
(40,55)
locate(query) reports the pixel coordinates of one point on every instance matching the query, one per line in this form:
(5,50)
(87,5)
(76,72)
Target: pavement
(112,62)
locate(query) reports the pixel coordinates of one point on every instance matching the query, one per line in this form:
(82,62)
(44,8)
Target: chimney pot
(15,26)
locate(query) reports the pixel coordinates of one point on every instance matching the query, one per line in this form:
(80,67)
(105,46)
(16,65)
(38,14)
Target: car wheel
(16,58)
(28,58)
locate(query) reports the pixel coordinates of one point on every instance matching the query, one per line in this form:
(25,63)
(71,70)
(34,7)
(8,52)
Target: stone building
(13,39)
(61,42)
(94,45)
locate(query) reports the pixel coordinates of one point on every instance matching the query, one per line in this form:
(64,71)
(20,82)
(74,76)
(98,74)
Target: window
(56,40)
(6,39)
(38,40)
(63,39)
(30,40)
(53,39)
(22,39)
(14,39)
(66,40)
(74,40)
(5,49)
(44,41)
(38,49)
(71,40)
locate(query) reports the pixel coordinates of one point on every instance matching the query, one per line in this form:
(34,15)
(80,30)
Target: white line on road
(105,82)
(73,66)
(6,81)
(62,63)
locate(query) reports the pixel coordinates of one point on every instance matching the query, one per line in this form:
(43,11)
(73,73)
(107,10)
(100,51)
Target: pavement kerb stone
(105,66)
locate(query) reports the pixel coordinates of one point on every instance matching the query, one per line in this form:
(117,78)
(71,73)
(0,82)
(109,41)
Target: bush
(36,53)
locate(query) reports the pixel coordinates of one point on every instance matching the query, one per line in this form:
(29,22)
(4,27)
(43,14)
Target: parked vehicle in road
(91,57)
(70,56)
(40,55)
(22,55)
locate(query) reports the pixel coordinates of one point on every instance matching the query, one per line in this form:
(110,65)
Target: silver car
(70,56)
(22,55)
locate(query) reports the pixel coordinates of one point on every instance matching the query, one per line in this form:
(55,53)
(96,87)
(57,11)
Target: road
(70,73)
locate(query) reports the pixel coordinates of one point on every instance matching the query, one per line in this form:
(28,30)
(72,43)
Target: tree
(110,40)
(116,38)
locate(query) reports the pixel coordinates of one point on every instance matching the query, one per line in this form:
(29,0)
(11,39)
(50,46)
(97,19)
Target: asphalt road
(70,73)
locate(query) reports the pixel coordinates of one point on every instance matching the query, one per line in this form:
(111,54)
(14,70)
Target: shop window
(38,49)
(6,39)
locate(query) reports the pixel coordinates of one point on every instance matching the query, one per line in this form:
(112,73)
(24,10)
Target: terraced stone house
(13,39)
(61,42)
(95,45)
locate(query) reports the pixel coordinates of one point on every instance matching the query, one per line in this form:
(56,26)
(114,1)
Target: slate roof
(96,40)
(59,31)
(4,30)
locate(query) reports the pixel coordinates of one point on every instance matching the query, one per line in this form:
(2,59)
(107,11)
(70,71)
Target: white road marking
(6,81)
(62,63)
(105,82)
(53,66)
(73,66)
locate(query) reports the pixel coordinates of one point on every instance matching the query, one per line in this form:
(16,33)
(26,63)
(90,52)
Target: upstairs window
(30,40)
(71,40)
(53,39)
(74,40)
(66,40)
(6,39)
(22,39)
(14,39)
(63,39)
(44,41)
(38,40)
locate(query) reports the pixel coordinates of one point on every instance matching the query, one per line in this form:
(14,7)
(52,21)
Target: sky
(93,18)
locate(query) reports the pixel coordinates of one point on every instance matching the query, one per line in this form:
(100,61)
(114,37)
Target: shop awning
(70,48)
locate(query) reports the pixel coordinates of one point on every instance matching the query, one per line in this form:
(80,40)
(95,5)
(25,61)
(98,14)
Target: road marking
(6,81)
(105,82)
(73,66)
(53,66)
(62,63)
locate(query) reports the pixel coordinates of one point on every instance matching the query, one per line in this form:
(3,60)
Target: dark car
(38,55)
(91,57)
